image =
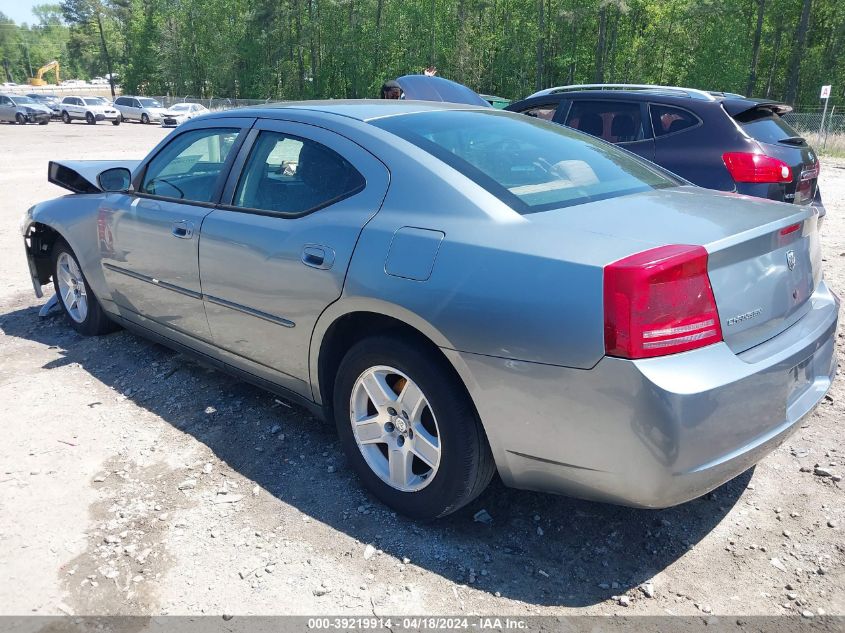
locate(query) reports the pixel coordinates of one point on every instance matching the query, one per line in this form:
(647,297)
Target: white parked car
(99,81)
(74,82)
(143,109)
(181,112)
(89,109)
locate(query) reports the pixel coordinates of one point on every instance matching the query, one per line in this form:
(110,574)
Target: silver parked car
(21,110)
(143,109)
(89,109)
(463,290)
(178,113)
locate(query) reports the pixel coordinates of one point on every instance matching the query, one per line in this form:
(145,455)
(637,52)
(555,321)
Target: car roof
(732,102)
(359,109)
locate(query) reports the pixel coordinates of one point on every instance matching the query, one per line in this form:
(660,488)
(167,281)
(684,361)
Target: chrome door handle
(317,256)
(183,230)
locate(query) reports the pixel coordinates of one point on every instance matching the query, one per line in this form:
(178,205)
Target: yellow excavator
(38,80)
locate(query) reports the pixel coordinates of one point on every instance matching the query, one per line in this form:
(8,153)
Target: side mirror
(115,179)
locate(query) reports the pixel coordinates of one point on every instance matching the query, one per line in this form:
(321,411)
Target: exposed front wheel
(20,119)
(75,296)
(89,119)
(409,428)
(65,117)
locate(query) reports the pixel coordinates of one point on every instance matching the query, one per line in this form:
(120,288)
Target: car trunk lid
(764,257)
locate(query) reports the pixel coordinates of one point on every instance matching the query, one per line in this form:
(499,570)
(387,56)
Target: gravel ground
(134,481)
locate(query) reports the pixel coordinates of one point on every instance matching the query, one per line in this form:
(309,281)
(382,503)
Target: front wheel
(89,119)
(116,122)
(409,429)
(80,305)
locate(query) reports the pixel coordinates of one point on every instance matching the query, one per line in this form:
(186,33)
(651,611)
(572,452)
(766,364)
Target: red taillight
(659,302)
(748,167)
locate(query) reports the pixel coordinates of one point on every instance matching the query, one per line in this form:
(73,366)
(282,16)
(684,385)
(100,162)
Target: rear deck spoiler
(735,107)
(80,176)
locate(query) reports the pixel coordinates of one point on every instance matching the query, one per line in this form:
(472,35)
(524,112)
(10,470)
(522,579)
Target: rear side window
(765,126)
(530,165)
(545,111)
(189,166)
(291,175)
(669,120)
(614,121)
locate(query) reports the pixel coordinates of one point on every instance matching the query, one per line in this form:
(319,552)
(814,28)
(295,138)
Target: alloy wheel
(72,287)
(395,428)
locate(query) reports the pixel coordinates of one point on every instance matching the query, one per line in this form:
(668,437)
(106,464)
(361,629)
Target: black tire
(43,122)
(145,119)
(89,119)
(66,117)
(96,321)
(466,463)
(116,122)
(20,119)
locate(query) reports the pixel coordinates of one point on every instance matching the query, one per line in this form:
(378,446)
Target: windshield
(150,103)
(20,100)
(530,165)
(95,101)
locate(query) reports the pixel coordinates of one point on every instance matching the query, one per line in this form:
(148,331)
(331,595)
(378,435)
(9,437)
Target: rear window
(529,164)
(765,126)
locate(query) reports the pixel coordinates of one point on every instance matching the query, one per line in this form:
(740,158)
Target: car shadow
(538,548)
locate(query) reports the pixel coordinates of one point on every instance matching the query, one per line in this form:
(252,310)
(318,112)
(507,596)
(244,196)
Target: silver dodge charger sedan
(463,291)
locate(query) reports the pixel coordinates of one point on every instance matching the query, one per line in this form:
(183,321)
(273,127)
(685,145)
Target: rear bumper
(657,432)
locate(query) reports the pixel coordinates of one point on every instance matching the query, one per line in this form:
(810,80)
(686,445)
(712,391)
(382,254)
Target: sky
(20,10)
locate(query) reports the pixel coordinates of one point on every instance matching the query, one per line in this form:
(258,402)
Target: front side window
(614,121)
(188,168)
(292,175)
(530,165)
(668,120)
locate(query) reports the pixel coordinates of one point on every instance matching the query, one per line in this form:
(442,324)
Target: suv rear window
(668,120)
(527,163)
(765,126)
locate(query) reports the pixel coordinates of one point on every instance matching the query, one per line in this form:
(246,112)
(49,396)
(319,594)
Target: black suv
(713,139)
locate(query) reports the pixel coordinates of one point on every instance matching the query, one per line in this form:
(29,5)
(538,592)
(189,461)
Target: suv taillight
(659,302)
(748,167)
